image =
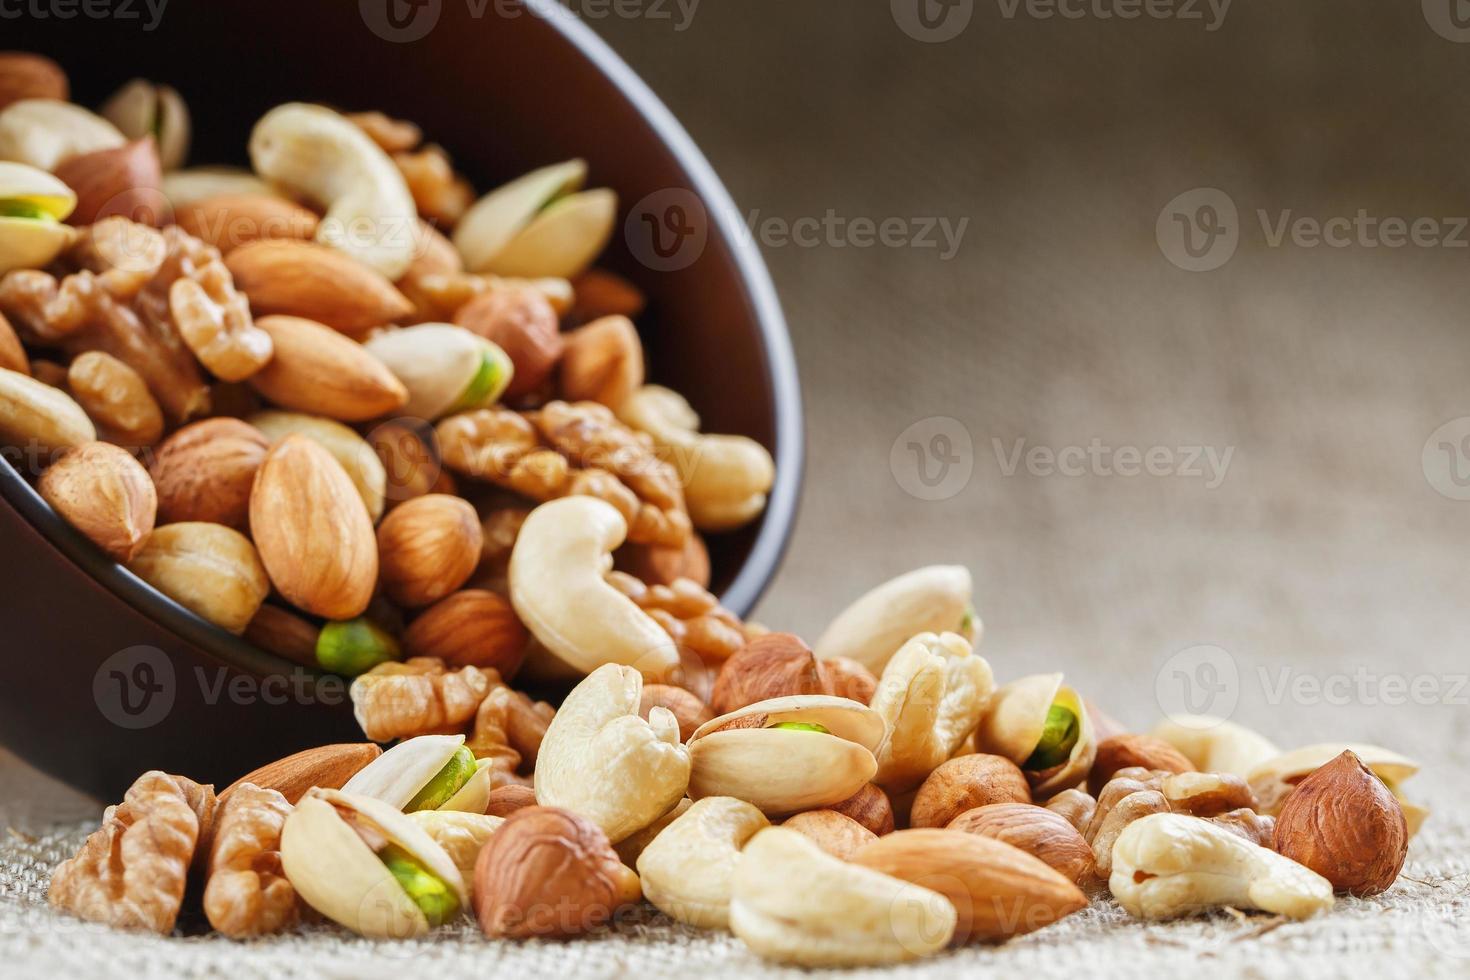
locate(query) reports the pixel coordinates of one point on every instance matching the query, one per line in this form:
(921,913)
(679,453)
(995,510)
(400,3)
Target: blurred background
(1298,515)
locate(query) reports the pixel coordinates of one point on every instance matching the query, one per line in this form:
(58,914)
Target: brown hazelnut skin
(1344,824)
(473,627)
(846,678)
(205,472)
(522,323)
(870,807)
(549,873)
(771,666)
(427,548)
(1035,830)
(603,362)
(964,783)
(1126,751)
(836,833)
(507,799)
(688,710)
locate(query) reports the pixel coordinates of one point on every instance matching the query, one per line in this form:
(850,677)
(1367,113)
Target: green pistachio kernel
(442,787)
(431,894)
(488,384)
(15,208)
(1058,739)
(801,726)
(967,622)
(354,647)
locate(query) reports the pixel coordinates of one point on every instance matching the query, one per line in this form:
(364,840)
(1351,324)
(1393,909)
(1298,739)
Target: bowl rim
(778,520)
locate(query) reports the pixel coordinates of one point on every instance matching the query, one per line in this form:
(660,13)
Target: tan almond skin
(1344,824)
(472,627)
(205,472)
(318,371)
(1036,830)
(1125,751)
(507,799)
(12,353)
(30,76)
(121,181)
(964,783)
(427,548)
(102,491)
(313,530)
(602,362)
(228,221)
(998,890)
(318,283)
(837,834)
(285,634)
(328,766)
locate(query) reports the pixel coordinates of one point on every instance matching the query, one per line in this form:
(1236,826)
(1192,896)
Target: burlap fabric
(1304,588)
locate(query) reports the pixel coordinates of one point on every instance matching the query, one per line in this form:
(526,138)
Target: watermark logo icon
(1450,19)
(1198,231)
(933,458)
(1199,680)
(1446,459)
(932,21)
(668,229)
(134,688)
(400,21)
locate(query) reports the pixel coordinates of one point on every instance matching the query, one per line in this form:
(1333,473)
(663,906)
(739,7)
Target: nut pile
(341,407)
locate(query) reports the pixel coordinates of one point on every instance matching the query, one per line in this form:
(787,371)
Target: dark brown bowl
(103,676)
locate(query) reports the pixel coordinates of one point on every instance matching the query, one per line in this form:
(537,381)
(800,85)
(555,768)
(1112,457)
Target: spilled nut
(462,835)
(1167,865)
(1044,728)
(935,599)
(688,869)
(1216,745)
(430,772)
(787,754)
(368,867)
(1274,779)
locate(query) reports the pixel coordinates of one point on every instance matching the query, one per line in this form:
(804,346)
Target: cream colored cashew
(557,587)
(931,696)
(726,478)
(687,871)
(1214,744)
(1275,778)
(794,903)
(600,759)
(1167,865)
(32,240)
(935,599)
(45,133)
(313,152)
(186,187)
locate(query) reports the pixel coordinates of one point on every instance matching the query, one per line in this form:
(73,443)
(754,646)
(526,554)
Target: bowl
(106,677)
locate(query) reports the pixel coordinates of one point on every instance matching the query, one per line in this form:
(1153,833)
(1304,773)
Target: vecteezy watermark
(933,458)
(1198,680)
(1208,463)
(1210,13)
(1446,459)
(668,229)
(1450,19)
(932,21)
(1200,229)
(405,21)
(148,13)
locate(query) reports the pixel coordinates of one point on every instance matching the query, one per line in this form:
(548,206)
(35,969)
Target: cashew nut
(1044,728)
(792,902)
(726,478)
(687,871)
(186,187)
(316,153)
(1214,744)
(601,760)
(1274,779)
(931,695)
(46,132)
(935,599)
(1167,865)
(556,585)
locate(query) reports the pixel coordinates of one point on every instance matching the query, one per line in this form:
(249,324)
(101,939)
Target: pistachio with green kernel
(355,646)
(1043,727)
(430,772)
(446,369)
(33,205)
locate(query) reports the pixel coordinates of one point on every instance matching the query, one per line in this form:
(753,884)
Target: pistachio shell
(490,224)
(563,240)
(784,771)
(29,243)
(141,108)
(1273,780)
(437,363)
(1015,719)
(46,132)
(335,872)
(474,796)
(396,776)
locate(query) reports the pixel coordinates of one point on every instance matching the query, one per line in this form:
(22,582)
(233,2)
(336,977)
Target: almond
(12,353)
(205,471)
(427,548)
(318,371)
(470,628)
(313,530)
(1125,751)
(228,221)
(327,766)
(122,181)
(30,76)
(102,491)
(1035,830)
(1344,824)
(316,282)
(998,890)
(600,293)
(603,362)
(285,634)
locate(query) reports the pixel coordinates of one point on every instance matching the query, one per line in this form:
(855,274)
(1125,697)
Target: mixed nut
(332,405)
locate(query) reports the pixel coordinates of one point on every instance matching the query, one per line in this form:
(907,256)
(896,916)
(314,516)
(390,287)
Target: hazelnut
(409,464)
(507,799)
(964,783)
(870,807)
(472,627)
(771,666)
(1344,824)
(123,181)
(547,873)
(687,709)
(846,678)
(205,472)
(1075,806)
(837,834)
(1127,751)
(1035,830)
(427,548)
(522,323)
(603,362)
